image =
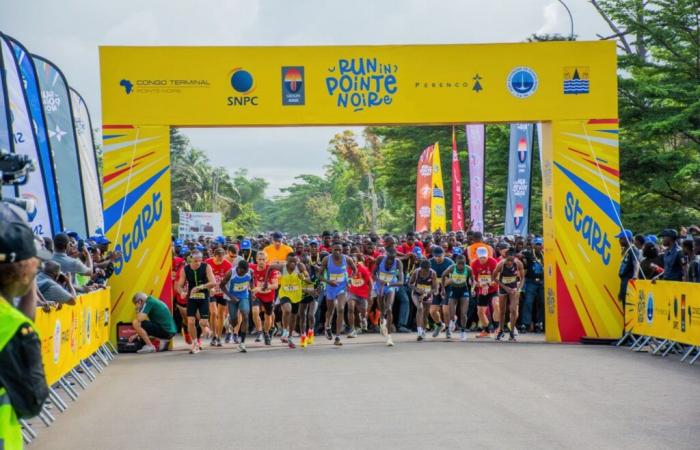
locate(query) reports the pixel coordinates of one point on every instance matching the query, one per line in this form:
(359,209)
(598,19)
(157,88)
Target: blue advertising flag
(45,159)
(519,172)
(6,144)
(64,145)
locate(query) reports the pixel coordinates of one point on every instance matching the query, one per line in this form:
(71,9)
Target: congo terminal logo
(522,82)
(243,82)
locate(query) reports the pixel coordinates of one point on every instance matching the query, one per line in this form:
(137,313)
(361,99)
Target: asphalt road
(434,394)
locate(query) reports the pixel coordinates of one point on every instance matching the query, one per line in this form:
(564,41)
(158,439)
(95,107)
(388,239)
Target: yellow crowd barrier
(73,333)
(664,310)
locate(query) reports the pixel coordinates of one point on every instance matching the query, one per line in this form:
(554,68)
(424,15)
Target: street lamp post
(571,19)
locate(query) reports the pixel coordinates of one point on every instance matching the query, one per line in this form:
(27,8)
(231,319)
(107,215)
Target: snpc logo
(243,82)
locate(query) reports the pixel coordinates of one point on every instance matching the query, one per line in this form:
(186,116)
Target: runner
(510,275)
(424,284)
(359,288)
(307,308)
(459,279)
(439,263)
(486,287)
(290,293)
(180,301)
(199,278)
(265,283)
(277,251)
(237,287)
(217,303)
(334,270)
(388,276)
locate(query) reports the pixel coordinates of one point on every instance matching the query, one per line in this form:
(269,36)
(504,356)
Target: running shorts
(195,305)
(458,292)
(485,299)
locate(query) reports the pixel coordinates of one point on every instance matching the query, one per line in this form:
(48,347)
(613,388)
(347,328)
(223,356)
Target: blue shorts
(377,289)
(332,292)
(235,305)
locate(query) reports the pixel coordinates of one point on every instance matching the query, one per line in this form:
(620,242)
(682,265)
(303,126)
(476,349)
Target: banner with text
(88,163)
(664,310)
(519,174)
(424,189)
(59,122)
(477,174)
(45,170)
(457,205)
(438,214)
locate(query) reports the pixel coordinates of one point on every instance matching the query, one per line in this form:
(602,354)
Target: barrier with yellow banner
(664,310)
(73,333)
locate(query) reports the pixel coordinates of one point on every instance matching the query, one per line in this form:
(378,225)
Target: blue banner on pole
(45,160)
(519,173)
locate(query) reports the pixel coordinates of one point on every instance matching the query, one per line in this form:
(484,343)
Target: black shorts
(307,299)
(459,292)
(219,300)
(485,299)
(267,307)
(156,330)
(502,292)
(200,305)
(440,300)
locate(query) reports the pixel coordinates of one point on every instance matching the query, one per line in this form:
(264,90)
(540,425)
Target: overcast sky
(68,32)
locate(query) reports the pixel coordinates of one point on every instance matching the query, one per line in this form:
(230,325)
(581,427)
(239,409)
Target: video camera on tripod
(14,170)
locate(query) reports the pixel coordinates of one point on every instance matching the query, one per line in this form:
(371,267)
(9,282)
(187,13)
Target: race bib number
(386,277)
(484,279)
(509,280)
(459,279)
(240,287)
(291,288)
(337,277)
(424,288)
(357,282)
(197,295)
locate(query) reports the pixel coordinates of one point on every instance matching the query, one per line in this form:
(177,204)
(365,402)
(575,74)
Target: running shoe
(147,349)
(291,344)
(329,333)
(353,334)
(383,329)
(483,334)
(500,335)
(389,342)
(439,328)
(268,339)
(448,334)
(228,338)
(258,336)
(213,341)
(419,337)
(452,326)
(337,341)
(194,348)
(235,339)
(463,336)
(312,337)
(218,342)
(241,348)
(512,336)
(199,344)
(303,341)
(363,324)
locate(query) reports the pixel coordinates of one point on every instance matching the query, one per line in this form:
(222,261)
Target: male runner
(307,308)
(217,303)
(486,289)
(458,278)
(388,276)
(334,272)
(237,287)
(265,284)
(360,284)
(439,263)
(200,278)
(290,293)
(510,275)
(424,284)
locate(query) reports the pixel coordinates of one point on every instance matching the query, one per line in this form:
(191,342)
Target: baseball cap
(99,239)
(457,251)
(276,236)
(650,238)
(538,240)
(245,244)
(669,232)
(18,243)
(625,234)
(417,251)
(313,242)
(437,250)
(482,252)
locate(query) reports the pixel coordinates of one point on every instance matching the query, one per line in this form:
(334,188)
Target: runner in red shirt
(407,247)
(486,287)
(360,283)
(265,283)
(217,303)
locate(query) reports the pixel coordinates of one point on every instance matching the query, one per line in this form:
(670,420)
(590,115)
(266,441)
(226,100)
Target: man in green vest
(23,388)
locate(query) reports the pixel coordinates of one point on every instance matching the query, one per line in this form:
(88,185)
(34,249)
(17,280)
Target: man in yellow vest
(23,387)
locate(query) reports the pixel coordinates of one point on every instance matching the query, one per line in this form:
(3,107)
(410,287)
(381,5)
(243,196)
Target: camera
(14,168)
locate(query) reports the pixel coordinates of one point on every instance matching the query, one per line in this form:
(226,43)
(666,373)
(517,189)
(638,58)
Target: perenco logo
(362,83)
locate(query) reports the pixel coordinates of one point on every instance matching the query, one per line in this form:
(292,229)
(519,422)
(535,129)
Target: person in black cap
(673,256)
(23,388)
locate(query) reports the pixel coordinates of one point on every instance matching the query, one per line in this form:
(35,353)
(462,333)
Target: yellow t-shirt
(277,255)
(291,285)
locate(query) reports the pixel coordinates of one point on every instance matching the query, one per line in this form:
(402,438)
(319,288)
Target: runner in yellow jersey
(294,275)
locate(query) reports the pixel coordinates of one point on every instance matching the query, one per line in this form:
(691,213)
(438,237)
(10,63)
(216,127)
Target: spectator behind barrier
(54,285)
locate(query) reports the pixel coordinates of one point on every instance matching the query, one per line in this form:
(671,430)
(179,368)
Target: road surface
(434,394)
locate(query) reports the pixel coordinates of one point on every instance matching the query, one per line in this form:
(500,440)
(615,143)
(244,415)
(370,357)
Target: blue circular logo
(522,82)
(242,81)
